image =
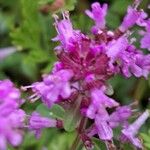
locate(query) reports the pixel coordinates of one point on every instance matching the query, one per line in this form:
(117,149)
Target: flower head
(85,63)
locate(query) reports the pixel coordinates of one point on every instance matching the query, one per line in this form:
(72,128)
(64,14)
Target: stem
(75,143)
(82,126)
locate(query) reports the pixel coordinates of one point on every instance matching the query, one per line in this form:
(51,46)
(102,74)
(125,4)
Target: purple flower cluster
(85,63)
(11,117)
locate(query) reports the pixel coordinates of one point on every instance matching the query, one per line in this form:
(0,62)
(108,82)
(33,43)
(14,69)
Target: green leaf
(43,2)
(146,139)
(147,145)
(72,116)
(113,20)
(28,34)
(31,34)
(120,3)
(43,110)
(70,4)
(62,142)
(29,69)
(55,112)
(82,22)
(99,145)
(127,146)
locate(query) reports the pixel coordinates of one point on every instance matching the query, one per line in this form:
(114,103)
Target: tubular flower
(52,88)
(37,123)
(133,16)
(120,116)
(11,117)
(129,133)
(97,14)
(83,69)
(66,34)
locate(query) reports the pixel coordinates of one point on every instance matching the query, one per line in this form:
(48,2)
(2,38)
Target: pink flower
(120,116)
(66,34)
(115,47)
(52,87)
(11,117)
(97,111)
(37,123)
(97,14)
(129,133)
(133,15)
(104,131)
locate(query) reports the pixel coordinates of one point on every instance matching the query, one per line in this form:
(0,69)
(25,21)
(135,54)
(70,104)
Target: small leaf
(62,141)
(70,4)
(43,2)
(72,116)
(147,145)
(29,69)
(57,112)
(98,144)
(146,137)
(128,146)
(43,110)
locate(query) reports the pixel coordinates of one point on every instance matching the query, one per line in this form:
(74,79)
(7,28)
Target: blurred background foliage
(27,27)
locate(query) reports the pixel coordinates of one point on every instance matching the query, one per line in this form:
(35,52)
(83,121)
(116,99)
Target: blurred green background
(26,30)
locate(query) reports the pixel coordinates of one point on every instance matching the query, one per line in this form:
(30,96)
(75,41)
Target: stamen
(66,15)
(25,88)
(34,99)
(32,96)
(136,3)
(55,18)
